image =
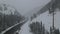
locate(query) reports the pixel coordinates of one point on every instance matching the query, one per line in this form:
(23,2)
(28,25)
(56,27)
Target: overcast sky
(24,6)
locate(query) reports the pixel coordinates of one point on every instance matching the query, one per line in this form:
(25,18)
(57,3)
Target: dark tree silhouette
(37,28)
(8,20)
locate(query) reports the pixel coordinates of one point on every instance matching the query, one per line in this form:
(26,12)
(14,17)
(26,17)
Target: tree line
(39,28)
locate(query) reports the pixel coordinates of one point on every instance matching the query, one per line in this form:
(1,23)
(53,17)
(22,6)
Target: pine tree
(37,28)
(56,31)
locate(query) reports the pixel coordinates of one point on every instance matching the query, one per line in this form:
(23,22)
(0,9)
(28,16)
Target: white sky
(24,6)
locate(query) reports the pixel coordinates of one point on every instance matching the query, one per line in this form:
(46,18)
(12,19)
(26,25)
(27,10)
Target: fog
(25,6)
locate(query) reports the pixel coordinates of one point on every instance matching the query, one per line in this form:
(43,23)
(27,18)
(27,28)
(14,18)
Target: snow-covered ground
(46,19)
(25,28)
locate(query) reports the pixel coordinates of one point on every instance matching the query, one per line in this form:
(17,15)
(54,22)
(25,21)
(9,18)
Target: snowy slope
(46,19)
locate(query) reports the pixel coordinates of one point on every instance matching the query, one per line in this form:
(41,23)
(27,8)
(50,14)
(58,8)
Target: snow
(46,19)
(25,29)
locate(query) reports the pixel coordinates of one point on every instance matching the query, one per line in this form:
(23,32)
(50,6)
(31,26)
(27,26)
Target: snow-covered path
(25,28)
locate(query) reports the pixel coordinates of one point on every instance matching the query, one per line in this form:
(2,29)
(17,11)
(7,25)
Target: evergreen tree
(56,31)
(9,17)
(37,28)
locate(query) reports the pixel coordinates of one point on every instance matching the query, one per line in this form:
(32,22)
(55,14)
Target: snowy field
(46,19)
